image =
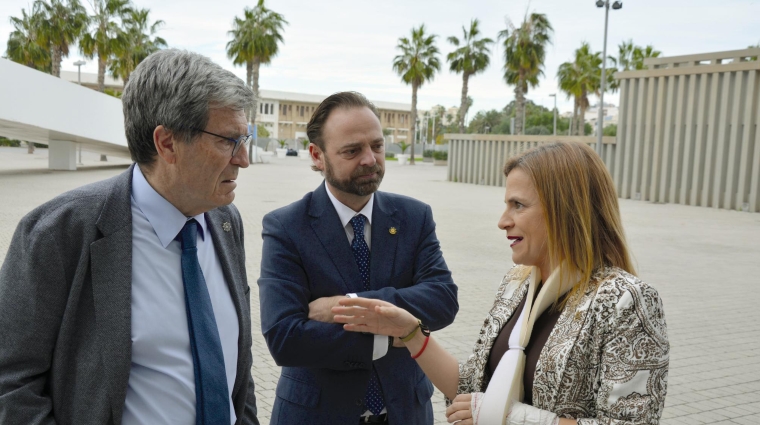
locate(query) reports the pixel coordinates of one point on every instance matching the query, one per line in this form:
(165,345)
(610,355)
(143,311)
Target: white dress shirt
(380,347)
(161,386)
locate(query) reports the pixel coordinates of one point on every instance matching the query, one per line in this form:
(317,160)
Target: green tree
(580,78)
(631,57)
(417,64)
(134,42)
(524,54)
(255,41)
(610,130)
(472,56)
(102,41)
(25,43)
(63,24)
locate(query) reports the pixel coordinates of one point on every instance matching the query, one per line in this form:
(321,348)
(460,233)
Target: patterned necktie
(374,398)
(212,405)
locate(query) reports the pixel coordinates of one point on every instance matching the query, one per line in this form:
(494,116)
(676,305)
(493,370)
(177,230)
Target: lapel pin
(392,230)
(226,226)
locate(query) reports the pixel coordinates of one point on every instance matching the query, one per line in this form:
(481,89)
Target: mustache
(363,171)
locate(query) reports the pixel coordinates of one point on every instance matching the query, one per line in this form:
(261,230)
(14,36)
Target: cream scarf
(506,385)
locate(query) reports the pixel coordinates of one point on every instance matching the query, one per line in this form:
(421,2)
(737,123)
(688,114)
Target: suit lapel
(386,231)
(111,258)
(227,249)
(326,225)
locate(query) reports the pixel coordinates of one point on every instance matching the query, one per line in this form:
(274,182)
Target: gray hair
(176,89)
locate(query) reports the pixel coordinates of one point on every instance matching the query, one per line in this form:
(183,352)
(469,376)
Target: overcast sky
(335,45)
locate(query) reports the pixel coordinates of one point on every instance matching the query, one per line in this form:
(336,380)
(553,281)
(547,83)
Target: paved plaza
(704,262)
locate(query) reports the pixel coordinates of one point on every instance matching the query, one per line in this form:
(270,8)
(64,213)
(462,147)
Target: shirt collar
(345,213)
(167,221)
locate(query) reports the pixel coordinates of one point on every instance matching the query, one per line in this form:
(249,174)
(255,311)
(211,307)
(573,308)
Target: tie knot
(189,234)
(357,222)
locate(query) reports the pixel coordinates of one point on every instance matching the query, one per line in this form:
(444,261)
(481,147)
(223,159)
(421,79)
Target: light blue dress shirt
(161,386)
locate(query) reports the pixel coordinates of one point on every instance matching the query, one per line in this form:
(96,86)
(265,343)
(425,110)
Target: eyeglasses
(242,140)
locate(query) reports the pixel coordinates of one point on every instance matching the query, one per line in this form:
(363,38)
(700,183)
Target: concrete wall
(688,131)
(687,134)
(479,158)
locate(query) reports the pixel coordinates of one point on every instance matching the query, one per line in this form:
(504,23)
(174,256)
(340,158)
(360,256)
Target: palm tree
(63,24)
(469,59)
(25,44)
(255,41)
(417,64)
(631,57)
(524,53)
(135,42)
(580,78)
(102,40)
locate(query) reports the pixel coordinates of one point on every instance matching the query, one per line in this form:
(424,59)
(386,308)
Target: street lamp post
(600,121)
(79,64)
(555,112)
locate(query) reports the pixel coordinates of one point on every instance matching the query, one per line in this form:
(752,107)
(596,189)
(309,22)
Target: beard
(354,185)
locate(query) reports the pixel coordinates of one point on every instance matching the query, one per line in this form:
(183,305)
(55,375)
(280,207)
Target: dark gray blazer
(65,308)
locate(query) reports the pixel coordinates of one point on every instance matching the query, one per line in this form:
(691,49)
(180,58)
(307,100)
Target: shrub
(404,146)
(390,155)
(427,153)
(441,155)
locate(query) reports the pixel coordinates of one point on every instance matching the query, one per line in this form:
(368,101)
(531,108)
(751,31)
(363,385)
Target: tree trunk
(463,106)
(414,120)
(582,122)
(101,73)
(29,147)
(519,107)
(255,65)
(56,57)
(571,130)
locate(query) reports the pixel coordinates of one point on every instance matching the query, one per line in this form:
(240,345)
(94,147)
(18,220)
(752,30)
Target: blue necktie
(374,398)
(212,400)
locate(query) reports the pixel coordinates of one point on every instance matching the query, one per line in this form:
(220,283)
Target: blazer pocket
(424,390)
(297,392)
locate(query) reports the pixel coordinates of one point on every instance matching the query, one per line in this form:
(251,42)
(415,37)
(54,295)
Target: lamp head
(80,63)
(617,5)
(599,3)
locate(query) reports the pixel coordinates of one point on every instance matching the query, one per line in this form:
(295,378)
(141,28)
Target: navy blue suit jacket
(326,370)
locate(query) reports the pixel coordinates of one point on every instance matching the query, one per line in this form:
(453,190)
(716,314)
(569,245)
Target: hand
(374,316)
(460,410)
(321,308)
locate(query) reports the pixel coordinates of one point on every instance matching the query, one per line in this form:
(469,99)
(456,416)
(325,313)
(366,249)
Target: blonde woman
(573,337)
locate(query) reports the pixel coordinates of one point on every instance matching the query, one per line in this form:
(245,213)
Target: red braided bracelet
(424,345)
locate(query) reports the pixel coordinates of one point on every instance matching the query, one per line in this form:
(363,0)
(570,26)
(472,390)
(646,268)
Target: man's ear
(166,145)
(317,157)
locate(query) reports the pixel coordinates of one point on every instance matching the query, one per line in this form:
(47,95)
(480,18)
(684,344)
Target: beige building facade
(285,115)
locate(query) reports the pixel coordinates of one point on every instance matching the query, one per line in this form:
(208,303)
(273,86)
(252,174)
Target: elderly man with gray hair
(126,301)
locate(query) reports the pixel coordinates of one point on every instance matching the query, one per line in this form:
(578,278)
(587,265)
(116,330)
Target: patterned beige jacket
(605,362)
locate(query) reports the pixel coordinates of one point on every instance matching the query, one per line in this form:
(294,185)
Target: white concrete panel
(62,155)
(48,108)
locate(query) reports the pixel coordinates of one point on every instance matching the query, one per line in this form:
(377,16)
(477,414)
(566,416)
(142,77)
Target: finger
(353,320)
(457,406)
(460,415)
(351,311)
(361,302)
(463,397)
(358,328)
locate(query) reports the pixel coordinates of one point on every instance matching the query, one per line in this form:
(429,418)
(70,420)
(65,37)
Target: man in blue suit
(347,239)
